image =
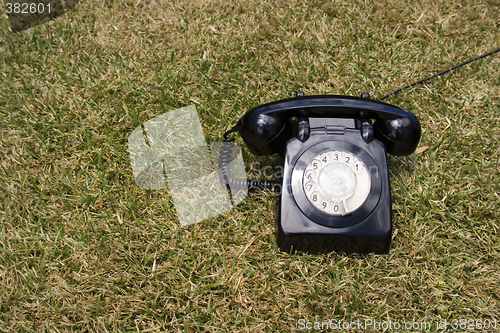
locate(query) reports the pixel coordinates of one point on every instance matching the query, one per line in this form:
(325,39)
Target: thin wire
(438,74)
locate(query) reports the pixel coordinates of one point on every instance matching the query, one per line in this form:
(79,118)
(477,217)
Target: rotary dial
(336,182)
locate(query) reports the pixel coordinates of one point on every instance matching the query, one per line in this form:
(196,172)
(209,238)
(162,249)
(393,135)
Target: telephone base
(321,243)
(302,226)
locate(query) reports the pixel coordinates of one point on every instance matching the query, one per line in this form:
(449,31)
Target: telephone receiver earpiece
(265,129)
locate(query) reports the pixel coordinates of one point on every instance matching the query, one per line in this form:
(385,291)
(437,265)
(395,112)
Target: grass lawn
(82,248)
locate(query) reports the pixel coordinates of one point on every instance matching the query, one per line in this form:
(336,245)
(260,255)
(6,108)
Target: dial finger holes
(336,182)
(316,164)
(325,158)
(315,197)
(324,205)
(348,158)
(310,186)
(310,174)
(336,207)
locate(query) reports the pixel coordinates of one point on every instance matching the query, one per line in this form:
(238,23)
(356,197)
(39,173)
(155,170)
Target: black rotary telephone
(335,192)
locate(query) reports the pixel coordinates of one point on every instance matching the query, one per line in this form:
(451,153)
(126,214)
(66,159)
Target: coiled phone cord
(225,157)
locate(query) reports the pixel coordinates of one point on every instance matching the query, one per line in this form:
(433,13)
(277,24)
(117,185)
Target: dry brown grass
(84,249)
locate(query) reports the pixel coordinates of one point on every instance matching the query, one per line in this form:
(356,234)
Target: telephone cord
(225,158)
(438,74)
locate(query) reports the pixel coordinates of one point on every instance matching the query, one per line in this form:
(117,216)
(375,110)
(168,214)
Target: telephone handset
(266,128)
(335,193)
